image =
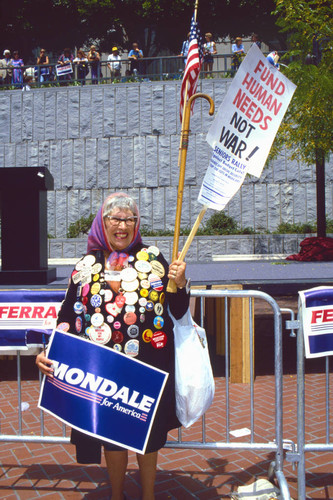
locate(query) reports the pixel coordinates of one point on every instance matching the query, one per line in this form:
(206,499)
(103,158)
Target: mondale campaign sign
(101,392)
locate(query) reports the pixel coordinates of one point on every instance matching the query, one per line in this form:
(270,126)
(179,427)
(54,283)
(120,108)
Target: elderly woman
(133,277)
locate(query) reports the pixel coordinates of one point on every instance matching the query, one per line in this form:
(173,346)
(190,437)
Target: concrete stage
(276,277)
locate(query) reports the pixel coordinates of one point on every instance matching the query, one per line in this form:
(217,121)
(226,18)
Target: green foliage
(295,228)
(308,124)
(29,24)
(302,228)
(81,226)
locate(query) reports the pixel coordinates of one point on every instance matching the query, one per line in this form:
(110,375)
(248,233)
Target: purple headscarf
(97,237)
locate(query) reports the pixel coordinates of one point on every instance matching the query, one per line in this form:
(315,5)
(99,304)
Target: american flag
(193,64)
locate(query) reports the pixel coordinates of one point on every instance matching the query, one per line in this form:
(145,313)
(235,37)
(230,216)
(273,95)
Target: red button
(159,340)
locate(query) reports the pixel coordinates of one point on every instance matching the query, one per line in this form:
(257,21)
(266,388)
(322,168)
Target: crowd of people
(14,72)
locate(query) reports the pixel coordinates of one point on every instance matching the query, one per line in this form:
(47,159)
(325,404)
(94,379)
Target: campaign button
(63,327)
(107,295)
(144,292)
(109,318)
(151,256)
(157,285)
(132,348)
(112,308)
(117,347)
(153,295)
(117,325)
(84,300)
(145,284)
(131,298)
(97,310)
(117,336)
(111,275)
(120,300)
(142,318)
(158,322)
(87,330)
(154,250)
(78,307)
(97,319)
(128,274)
(152,276)
(79,265)
(142,266)
(130,308)
(149,305)
(142,309)
(162,297)
(85,290)
(76,277)
(157,268)
(101,334)
(96,300)
(78,324)
(133,331)
(142,276)
(147,335)
(142,301)
(96,277)
(96,268)
(159,340)
(95,288)
(89,260)
(158,309)
(130,318)
(87,317)
(142,255)
(130,286)
(131,258)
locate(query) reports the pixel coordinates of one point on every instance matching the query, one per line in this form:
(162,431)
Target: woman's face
(120,233)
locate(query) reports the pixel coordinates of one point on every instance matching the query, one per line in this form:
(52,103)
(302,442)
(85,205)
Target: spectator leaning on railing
(6,69)
(114,63)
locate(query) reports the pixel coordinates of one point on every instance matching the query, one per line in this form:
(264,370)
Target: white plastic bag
(195,385)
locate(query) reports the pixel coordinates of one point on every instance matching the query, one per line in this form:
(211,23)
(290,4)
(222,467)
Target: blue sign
(101,392)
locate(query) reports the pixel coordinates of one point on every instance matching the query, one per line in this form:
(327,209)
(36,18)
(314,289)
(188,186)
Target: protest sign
(316,314)
(64,69)
(101,392)
(244,127)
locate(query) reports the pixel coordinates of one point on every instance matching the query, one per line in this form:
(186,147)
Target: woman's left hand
(177,272)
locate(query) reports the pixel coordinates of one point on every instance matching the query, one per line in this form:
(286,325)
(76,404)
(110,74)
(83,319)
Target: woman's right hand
(44,364)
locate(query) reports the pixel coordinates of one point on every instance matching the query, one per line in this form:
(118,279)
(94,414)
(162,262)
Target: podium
(23,205)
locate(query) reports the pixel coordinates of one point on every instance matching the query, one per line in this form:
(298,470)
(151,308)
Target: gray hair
(124,202)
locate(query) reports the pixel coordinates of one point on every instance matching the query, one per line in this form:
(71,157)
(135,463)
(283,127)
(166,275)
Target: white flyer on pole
(244,127)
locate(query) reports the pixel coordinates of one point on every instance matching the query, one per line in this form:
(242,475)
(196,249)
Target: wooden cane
(172,287)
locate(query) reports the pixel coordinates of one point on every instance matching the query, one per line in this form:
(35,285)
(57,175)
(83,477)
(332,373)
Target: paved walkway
(31,471)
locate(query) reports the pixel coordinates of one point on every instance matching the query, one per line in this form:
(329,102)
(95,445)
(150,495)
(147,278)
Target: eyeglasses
(115,221)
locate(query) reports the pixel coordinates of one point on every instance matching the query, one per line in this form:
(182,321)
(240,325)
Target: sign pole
(183,154)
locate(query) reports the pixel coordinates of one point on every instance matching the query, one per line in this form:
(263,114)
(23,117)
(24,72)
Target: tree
(155,24)
(307,129)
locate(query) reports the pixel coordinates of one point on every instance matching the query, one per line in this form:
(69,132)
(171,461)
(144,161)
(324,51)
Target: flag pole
(183,140)
(171,287)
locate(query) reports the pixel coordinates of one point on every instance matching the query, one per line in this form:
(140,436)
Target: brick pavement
(30,471)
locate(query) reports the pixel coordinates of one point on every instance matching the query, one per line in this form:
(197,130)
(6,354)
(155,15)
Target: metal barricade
(273,443)
(297,456)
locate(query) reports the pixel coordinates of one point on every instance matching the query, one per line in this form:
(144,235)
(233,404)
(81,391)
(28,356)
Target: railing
(272,442)
(149,69)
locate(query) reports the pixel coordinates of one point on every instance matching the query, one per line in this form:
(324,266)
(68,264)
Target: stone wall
(98,139)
